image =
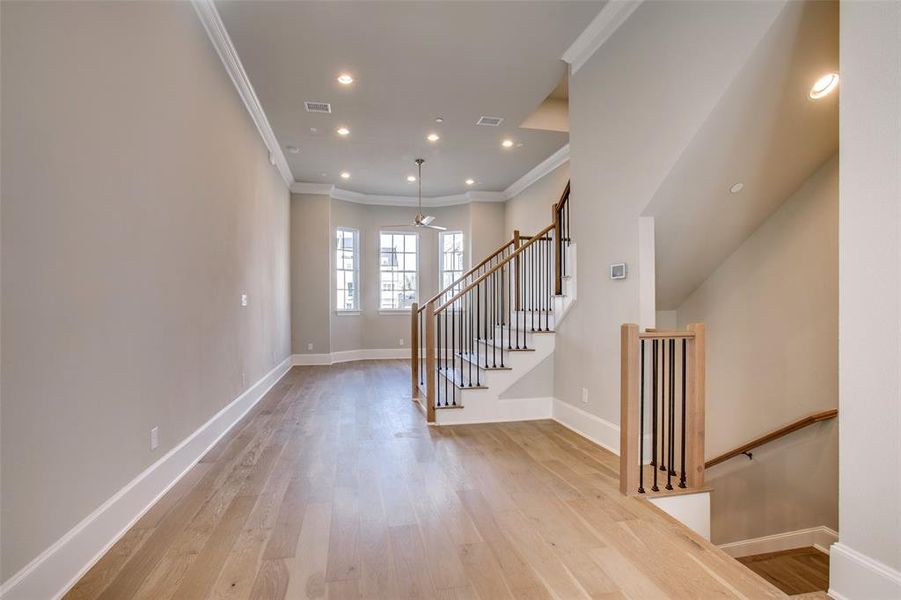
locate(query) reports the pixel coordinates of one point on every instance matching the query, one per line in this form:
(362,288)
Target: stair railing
(475,327)
(488,310)
(560,215)
(662,408)
(746,448)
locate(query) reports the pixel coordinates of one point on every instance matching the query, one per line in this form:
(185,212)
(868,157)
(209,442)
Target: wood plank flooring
(798,571)
(334,487)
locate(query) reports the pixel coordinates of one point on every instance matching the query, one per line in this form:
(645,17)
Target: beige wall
(313,264)
(530,210)
(138,203)
(619,162)
(487,230)
(311,299)
(771,311)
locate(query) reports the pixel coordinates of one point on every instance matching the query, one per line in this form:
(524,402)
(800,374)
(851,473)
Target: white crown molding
(215,29)
(540,170)
(325,189)
(607,21)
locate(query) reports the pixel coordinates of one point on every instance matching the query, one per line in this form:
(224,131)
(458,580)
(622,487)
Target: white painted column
(866,562)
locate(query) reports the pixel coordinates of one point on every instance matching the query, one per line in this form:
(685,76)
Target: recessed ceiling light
(737,187)
(507,143)
(411,178)
(824,86)
(314,130)
(343,131)
(470,181)
(345,79)
(439,119)
(345,175)
(292,149)
(433,137)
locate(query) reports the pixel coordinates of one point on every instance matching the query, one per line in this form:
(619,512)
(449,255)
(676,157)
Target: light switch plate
(243,299)
(154,438)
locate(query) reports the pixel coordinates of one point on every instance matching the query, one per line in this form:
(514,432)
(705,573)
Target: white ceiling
(766,133)
(412,61)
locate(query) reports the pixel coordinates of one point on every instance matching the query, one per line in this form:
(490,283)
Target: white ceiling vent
(490,121)
(318,107)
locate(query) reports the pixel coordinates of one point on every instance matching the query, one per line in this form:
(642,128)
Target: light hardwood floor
(334,487)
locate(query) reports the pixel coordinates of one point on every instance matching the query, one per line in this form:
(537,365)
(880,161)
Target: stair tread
(501,346)
(478,361)
(454,377)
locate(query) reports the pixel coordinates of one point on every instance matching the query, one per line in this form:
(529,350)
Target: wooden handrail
(467,273)
(801,423)
(485,275)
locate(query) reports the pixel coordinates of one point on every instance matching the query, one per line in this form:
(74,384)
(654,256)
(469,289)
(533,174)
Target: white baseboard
(350,355)
(59,567)
(855,576)
(820,537)
(598,430)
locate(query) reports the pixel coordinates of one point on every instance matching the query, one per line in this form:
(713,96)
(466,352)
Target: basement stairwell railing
(470,325)
(662,388)
(662,412)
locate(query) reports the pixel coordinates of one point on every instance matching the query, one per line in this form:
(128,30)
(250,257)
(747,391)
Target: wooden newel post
(430,366)
(414,350)
(629,435)
(695,407)
(516,244)
(558,247)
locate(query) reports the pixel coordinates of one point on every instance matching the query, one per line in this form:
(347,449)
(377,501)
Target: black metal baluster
(493,286)
(438,365)
(654,344)
(663,396)
(672,419)
(421,354)
(682,474)
(641,426)
(453,352)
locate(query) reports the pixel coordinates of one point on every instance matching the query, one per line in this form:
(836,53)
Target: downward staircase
(480,335)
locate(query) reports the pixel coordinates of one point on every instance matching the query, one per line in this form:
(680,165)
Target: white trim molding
(326,189)
(215,29)
(855,576)
(598,430)
(607,21)
(537,172)
(59,567)
(540,170)
(305,360)
(821,538)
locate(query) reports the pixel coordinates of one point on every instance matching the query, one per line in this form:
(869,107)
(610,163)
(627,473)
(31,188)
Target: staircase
(493,325)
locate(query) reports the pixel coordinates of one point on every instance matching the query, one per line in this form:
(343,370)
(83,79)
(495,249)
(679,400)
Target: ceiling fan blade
(437,227)
(427,220)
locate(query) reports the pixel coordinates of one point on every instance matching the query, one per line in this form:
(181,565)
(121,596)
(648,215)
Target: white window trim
(441,234)
(357,249)
(399,311)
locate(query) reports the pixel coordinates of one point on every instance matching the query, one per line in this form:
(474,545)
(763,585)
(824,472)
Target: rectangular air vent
(318,107)
(490,121)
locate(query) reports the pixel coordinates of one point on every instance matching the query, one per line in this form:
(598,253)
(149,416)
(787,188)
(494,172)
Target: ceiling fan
(421,220)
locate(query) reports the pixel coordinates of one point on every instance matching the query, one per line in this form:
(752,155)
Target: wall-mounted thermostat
(618,271)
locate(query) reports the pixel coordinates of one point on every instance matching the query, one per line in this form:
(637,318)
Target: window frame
(339,269)
(441,270)
(382,271)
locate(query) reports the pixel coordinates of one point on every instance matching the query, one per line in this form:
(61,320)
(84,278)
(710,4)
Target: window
(398,265)
(347,269)
(450,251)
